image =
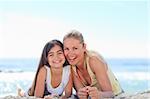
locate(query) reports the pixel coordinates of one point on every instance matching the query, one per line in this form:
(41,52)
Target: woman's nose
(70,51)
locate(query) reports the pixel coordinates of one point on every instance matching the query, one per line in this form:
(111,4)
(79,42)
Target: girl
(53,76)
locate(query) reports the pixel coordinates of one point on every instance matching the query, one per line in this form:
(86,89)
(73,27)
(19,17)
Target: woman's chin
(72,63)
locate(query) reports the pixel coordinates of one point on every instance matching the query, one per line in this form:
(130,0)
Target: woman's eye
(66,48)
(75,48)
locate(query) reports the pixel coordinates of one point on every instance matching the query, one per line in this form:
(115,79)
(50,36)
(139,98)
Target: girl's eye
(50,55)
(60,53)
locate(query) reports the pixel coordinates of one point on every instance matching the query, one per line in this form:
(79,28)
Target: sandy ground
(142,95)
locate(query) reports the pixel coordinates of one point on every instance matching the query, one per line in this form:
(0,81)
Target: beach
(132,74)
(142,95)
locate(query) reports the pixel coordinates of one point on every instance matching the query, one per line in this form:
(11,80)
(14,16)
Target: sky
(114,28)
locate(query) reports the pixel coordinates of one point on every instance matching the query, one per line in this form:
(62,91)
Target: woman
(53,76)
(91,75)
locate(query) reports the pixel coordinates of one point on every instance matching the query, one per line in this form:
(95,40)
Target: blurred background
(117,29)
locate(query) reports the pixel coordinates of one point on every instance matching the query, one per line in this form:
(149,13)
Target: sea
(132,73)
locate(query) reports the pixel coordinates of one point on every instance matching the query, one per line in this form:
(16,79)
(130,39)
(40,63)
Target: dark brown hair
(44,61)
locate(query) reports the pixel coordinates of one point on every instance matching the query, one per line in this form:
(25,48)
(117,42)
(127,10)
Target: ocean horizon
(132,73)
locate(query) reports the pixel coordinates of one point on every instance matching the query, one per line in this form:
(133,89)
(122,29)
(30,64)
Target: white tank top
(65,78)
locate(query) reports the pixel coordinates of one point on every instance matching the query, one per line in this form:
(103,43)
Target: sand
(142,95)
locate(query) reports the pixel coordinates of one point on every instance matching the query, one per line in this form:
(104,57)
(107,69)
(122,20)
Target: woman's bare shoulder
(96,64)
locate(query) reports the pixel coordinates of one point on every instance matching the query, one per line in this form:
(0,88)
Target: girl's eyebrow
(60,51)
(50,52)
(57,51)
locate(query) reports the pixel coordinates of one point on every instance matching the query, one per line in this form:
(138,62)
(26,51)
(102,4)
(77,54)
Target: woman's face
(74,51)
(56,57)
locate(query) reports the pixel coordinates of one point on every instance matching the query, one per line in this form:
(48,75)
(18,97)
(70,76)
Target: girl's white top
(65,78)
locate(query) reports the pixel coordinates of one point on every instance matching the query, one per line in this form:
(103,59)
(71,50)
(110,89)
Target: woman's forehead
(71,40)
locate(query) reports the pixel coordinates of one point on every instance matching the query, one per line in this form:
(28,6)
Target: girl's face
(74,51)
(56,57)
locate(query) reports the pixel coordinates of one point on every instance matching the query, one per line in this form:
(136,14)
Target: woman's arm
(81,91)
(76,82)
(100,70)
(40,83)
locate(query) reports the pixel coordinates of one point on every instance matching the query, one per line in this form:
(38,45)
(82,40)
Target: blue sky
(113,28)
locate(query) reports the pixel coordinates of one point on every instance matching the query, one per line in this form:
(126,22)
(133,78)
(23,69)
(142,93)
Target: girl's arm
(40,83)
(68,88)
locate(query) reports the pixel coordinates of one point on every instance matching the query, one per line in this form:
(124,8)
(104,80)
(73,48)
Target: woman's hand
(93,92)
(82,93)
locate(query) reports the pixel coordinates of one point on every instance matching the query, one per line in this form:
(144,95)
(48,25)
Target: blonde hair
(74,34)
